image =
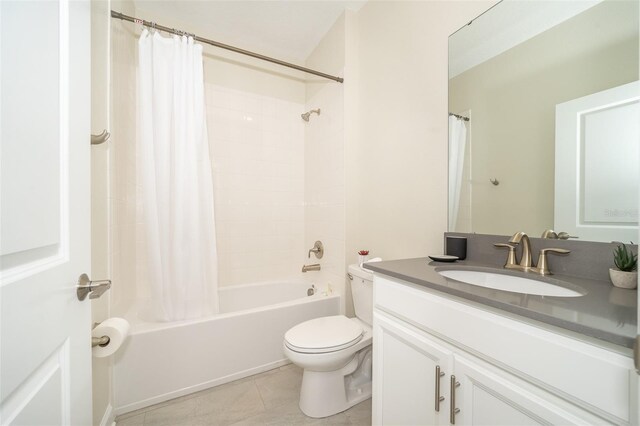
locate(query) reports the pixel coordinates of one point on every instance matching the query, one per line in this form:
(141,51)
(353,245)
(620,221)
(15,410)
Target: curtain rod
(461,117)
(124,17)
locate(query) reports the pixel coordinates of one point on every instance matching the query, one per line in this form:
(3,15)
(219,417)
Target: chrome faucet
(525,260)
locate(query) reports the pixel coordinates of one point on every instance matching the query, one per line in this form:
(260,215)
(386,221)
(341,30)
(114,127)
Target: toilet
(335,353)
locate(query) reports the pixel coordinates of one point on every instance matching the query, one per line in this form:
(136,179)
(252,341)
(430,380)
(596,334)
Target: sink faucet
(526,264)
(525,260)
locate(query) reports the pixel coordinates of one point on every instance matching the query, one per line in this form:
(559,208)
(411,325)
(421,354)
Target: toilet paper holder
(108,336)
(93,289)
(99,341)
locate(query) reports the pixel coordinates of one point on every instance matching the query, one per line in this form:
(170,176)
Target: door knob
(93,289)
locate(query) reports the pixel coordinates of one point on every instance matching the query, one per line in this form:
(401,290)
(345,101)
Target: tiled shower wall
(257,146)
(325,193)
(324,184)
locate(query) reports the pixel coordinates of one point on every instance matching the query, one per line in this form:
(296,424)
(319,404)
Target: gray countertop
(604,312)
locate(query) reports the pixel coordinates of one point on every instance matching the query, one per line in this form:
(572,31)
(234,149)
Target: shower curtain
(457,146)
(175,188)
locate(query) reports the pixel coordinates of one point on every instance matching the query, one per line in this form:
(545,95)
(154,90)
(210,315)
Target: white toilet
(335,353)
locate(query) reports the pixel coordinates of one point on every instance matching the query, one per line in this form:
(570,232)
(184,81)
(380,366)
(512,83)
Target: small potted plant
(626,273)
(362,256)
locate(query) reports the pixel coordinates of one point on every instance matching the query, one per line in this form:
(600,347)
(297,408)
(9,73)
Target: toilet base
(327,393)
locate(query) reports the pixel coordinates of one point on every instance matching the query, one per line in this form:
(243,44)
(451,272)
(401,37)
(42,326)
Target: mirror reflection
(543,124)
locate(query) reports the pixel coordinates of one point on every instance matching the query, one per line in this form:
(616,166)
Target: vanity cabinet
(409,390)
(494,370)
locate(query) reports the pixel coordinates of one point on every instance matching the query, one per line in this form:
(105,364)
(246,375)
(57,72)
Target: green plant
(624,259)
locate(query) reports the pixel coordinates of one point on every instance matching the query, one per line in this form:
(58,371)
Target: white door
(597,169)
(45,349)
(409,377)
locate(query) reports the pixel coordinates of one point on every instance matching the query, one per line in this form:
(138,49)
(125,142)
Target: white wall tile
(258,150)
(324,185)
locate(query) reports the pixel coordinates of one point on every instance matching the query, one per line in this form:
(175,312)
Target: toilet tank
(362,292)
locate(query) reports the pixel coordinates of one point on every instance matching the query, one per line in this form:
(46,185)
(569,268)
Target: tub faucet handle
(318,250)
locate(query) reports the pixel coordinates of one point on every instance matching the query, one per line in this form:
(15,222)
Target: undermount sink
(509,283)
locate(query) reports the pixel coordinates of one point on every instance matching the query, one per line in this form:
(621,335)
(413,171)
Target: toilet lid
(326,334)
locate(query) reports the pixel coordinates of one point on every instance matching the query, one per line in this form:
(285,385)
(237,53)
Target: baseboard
(109,417)
(196,388)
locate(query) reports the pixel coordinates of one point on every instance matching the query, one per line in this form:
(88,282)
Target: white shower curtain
(175,187)
(457,146)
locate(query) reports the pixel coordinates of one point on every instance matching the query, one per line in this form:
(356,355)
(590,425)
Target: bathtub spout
(314,267)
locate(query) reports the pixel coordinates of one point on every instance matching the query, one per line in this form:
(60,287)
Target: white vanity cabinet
(409,390)
(509,372)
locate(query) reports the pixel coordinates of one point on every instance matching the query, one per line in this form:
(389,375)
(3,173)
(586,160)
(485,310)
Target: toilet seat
(322,335)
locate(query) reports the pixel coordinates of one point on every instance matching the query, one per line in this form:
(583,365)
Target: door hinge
(636,354)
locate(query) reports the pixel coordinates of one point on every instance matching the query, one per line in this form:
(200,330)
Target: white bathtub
(161,361)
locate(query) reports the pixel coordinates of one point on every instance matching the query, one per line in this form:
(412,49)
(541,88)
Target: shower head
(307,114)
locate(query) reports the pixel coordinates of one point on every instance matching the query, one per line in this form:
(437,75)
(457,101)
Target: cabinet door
(488,395)
(405,381)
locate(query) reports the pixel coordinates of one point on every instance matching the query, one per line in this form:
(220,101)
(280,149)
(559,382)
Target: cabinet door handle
(439,398)
(454,410)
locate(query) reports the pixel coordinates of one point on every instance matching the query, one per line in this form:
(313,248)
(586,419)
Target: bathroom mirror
(543,123)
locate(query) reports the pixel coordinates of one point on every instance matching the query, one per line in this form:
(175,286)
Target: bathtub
(161,361)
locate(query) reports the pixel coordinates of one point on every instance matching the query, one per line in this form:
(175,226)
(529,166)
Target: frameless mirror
(543,123)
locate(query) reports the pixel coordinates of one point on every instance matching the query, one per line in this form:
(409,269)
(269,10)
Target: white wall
(102,201)
(324,181)
(396,151)
(393,134)
(122,172)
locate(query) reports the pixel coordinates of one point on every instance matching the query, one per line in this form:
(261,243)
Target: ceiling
(506,26)
(288,30)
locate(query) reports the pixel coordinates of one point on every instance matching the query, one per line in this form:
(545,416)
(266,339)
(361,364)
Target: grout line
(260,394)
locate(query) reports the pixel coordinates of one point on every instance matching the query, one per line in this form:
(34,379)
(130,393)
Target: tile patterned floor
(269,398)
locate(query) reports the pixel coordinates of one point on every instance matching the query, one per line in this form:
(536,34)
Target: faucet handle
(511,257)
(565,236)
(543,267)
(550,234)
(318,250)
